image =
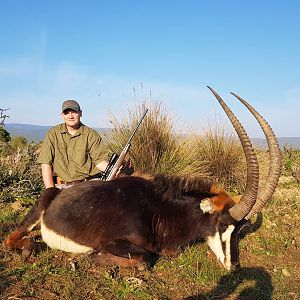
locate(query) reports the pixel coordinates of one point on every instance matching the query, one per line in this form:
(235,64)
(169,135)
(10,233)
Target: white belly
(56,241)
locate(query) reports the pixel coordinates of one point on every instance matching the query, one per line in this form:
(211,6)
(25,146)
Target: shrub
(18,142)
(4,135)
(291,162)
(19,173)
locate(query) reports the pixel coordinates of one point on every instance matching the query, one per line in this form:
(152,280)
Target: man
(71,151)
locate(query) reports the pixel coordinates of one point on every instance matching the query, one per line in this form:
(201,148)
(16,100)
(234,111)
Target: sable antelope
(129,220)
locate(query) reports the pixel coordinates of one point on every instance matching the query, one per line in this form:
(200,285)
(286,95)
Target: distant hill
(35,133)
(291,141)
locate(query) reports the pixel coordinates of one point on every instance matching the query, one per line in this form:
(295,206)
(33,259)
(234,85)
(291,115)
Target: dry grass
(222,156)
(156,147)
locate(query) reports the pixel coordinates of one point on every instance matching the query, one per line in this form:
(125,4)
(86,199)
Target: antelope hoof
(27,248)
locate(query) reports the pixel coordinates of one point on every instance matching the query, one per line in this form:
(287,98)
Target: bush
(18,142)
(291,162)
(19,173)
(4,135)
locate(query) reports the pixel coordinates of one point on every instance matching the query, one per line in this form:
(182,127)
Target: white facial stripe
(214,242)
(56,241)
(226,235)
(226,238)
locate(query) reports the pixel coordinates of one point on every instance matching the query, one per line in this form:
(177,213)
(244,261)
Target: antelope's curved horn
(268,190)
(244,206)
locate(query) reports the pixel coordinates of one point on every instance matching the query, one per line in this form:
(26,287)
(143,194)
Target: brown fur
(14,240)
(221,201)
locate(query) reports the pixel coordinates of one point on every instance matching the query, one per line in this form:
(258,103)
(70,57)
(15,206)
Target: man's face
(71,117)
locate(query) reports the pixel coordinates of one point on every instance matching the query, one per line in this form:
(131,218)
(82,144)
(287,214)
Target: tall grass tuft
(156,147)
(223,157)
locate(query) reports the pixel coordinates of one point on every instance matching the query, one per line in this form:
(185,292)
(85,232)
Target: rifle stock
(116,160)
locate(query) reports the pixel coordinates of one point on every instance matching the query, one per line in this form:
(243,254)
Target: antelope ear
(206,206)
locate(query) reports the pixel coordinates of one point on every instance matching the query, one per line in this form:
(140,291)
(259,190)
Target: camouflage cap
(70,104)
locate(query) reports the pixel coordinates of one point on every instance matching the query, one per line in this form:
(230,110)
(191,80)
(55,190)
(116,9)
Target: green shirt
(72,157)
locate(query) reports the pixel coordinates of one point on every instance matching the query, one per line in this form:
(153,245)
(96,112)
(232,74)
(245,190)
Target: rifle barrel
(114,165)
(138,125)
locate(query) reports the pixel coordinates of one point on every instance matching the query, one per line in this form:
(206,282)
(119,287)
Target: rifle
(116,160)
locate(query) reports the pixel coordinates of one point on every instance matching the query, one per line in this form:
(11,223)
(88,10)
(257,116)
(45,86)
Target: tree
(2,115)
(4,135)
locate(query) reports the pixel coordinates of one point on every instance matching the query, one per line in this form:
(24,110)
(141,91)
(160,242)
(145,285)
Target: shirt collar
(80,130)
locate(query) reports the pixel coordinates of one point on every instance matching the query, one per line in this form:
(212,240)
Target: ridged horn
(275,166)
(248,199)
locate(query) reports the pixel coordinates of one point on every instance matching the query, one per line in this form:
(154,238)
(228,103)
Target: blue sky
(111,55)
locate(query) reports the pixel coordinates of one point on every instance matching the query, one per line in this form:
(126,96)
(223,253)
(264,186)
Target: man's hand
(102,165)
(126,168)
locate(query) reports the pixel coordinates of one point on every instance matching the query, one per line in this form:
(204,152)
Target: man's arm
(46,157)
(96,152)
(47,175)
